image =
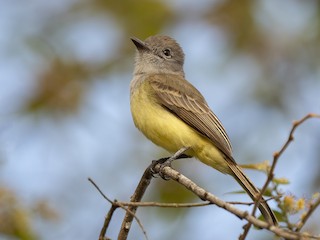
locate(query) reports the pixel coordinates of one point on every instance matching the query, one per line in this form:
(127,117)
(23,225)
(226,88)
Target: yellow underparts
(168,131)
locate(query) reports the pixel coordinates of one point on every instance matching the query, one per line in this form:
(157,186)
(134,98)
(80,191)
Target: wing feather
(187,103)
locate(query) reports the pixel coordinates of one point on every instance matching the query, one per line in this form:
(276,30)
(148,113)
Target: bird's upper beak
(140,45)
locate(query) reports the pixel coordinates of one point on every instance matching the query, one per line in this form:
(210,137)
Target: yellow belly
(168,131)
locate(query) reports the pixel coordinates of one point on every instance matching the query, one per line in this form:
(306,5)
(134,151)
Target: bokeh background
(65,69)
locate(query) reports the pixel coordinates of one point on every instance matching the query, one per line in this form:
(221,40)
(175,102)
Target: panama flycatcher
(173,114)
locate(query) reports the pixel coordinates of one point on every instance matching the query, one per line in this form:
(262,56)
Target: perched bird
(173,114)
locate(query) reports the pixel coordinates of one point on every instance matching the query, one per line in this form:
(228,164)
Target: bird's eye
(167,52)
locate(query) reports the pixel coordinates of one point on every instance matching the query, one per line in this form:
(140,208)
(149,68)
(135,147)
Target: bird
(173,114)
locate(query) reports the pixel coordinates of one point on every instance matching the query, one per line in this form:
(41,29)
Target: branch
(114,206)
(136,197)
(164,205)
(175,205)
(107,222)
(307,215)
(168,173)
(276,157)
(108,218)
(139,192)
(205,195)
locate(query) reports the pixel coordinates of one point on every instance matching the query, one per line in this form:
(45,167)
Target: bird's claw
(164,162)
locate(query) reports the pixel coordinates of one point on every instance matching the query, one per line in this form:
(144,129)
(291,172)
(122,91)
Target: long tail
(253,192)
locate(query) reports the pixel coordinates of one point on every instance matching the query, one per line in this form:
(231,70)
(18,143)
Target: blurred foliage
(235,17)
(60,88)
(146,17)
(64,90)
(16,217)
(284,60)
(171,192)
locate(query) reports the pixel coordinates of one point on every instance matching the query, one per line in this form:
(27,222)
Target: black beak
(140,45)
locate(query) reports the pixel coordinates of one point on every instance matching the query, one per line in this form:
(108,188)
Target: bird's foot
(167,162)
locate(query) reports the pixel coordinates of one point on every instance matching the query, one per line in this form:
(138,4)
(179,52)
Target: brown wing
(186,102)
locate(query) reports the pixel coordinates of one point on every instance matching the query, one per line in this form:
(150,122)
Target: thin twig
(136,197)
(177,205)
(165,205)
(99,190)
(251,203)
(114,206)
(108,218)
(276,156)
(107,222)
(132,214)
(307,215)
